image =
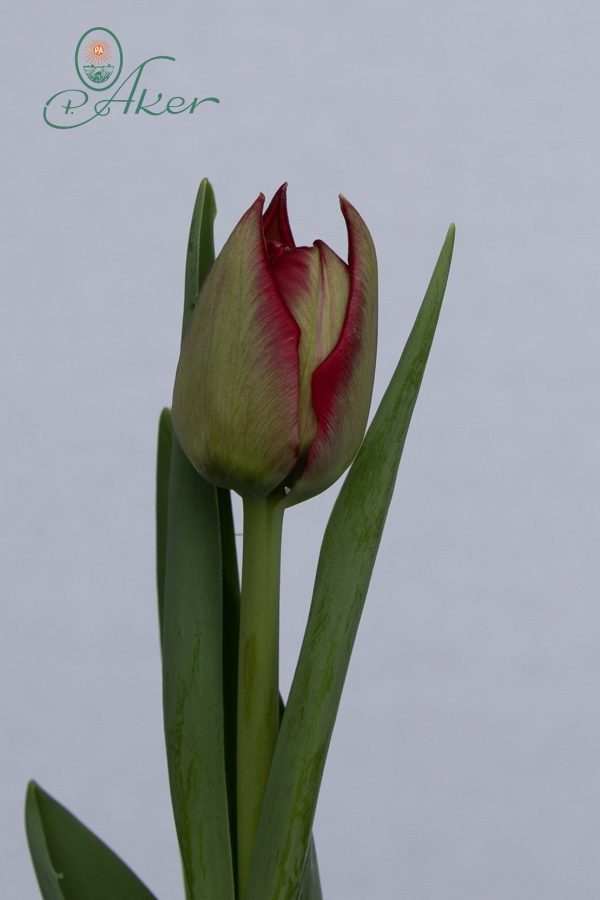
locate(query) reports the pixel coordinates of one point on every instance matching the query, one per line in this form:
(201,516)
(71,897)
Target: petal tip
(345,203)
(255,209)
(349,211)
(276,222)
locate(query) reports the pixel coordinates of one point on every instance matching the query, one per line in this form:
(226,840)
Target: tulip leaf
(344,570)
(70,862)
(231,630)
(310,888)
(163,470)
(192,682)
(200,256)
(193,638)
(201,248)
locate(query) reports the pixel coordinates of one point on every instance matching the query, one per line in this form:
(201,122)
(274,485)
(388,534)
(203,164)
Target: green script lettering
(141,108)
(103,106)
(174,108)
(196,103)
(77,99)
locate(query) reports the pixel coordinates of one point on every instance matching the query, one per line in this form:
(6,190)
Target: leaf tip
(448,246)
(450,235)
(205,198)
(31,809)
(164,420)
(31,791)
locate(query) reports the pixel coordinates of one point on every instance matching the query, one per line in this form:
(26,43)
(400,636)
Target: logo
(98,58)
(99,65)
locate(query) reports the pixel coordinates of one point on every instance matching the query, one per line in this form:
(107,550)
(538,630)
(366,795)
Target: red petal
(335,371)
(276,224)
(343,383)
(292,272)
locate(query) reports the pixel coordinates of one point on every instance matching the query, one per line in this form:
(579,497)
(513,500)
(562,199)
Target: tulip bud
(274,381)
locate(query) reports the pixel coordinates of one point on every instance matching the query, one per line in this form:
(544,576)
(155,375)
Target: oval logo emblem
(98,58)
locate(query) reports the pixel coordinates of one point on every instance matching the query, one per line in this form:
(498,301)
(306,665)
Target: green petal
(235,402)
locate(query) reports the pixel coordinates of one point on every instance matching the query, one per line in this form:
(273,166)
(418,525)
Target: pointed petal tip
(257,205)
(280,195)
(350,212)
(324,250)
(276,222)
(358,233)
(345,204)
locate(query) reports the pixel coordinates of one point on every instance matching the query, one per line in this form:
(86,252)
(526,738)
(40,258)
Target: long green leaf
(345,565)
(70,862)
(231,630)
(310,888)
(199,258)
(193,639)
(163,472)
(192,682)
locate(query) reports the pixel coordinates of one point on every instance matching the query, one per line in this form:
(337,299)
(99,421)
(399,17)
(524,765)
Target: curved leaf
(70,862)
(345,565)
(192,642)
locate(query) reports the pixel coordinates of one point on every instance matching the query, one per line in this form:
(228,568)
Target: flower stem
(258,670)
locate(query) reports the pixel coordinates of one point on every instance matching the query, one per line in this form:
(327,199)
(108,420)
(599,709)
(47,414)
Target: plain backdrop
(465,763)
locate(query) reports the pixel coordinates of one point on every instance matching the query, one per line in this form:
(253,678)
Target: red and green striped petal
(296,273)
(276,224)
(343,383)
(314,284)
(236,395)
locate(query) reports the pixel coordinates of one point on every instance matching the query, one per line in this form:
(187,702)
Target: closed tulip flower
(276,371)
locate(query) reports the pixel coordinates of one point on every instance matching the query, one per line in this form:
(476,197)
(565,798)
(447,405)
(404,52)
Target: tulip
(276,371)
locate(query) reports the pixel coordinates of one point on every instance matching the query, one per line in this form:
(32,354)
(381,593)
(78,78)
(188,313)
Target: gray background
(465,763)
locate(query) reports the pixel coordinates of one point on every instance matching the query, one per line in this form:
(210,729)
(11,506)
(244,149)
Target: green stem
(258,669)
